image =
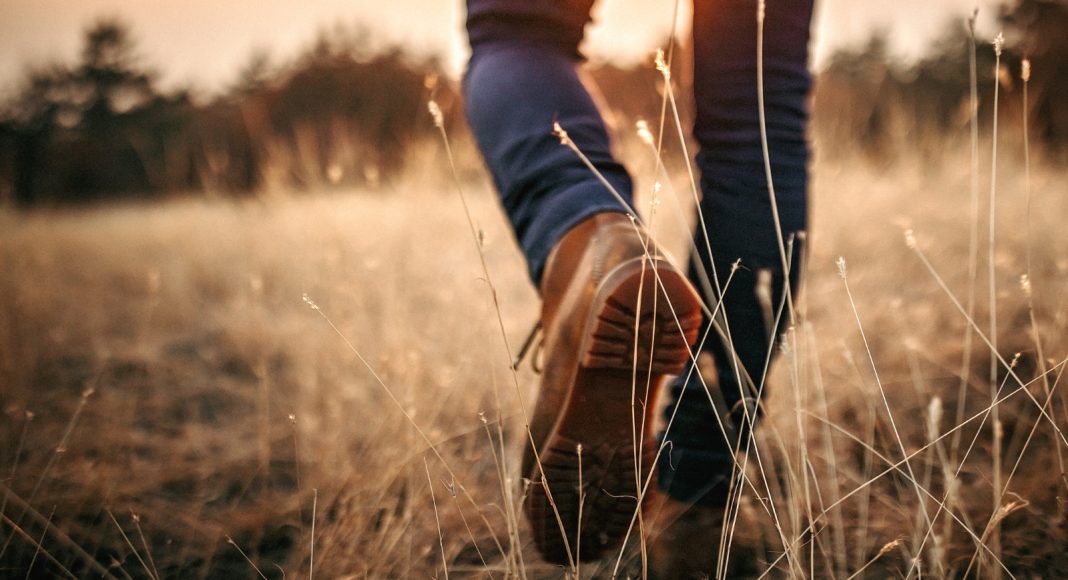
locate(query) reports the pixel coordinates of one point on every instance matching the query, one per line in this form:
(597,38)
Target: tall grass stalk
(973,253)
(59,450)
(864,502)
(779,238)
(664,62)
(712,314)
(578,525)
(37,550)
(837,521)
(895,467)
(670,422)
(148,551)
(1025,76)
(664,67)
(256,568)
(714,288)
(995,535)
(637,430)
(311,547)
(1027,280)
(751,443)
(292,417)
(404,411)
(136,553)
(791,344)
(27,419)
(58,534)
(942,505)
(996,519)
(932,430)
(910,240)
(882,392)
(439,122)
(513,556)
(437,519)
(37,546)
(722,326)
(762,118)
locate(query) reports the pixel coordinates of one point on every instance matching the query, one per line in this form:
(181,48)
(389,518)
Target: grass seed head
(910,239)
(889,547)
(561,134)
(662,65)
(644,133)
(436,114)
(934,417)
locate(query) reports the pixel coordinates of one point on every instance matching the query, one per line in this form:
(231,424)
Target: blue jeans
(522,77)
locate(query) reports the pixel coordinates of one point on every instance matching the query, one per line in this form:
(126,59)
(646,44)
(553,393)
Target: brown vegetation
(174,406)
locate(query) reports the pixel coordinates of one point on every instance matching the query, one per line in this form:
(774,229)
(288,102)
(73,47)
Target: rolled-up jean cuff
(557,214)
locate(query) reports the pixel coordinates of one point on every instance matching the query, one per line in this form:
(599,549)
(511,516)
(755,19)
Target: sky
(204,43)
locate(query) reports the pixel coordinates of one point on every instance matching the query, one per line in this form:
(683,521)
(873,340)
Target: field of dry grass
(174,407)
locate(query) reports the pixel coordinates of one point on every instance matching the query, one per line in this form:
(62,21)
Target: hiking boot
(616,321)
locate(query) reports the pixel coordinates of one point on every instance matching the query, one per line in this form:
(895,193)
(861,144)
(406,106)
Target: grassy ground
(174,407)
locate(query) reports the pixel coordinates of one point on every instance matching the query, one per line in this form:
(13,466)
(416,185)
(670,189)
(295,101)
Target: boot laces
(534,343)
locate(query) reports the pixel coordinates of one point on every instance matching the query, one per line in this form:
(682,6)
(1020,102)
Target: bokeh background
(245,329)
(146,99)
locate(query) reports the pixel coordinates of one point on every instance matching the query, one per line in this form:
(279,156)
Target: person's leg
(738,219)
(604,287)
(522,77)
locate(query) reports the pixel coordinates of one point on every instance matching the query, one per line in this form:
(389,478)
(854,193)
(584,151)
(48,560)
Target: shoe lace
(530,346)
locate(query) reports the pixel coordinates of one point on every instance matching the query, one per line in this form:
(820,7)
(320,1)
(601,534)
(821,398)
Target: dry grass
(205,401)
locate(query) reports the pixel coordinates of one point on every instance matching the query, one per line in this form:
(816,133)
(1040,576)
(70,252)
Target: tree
(80,130)
(109,73)
(1035,29)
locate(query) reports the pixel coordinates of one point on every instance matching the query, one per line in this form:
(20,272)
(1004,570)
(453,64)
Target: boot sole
(599,414)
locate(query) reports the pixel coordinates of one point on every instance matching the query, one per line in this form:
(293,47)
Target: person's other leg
(522,77)
(695,471)
(738,220)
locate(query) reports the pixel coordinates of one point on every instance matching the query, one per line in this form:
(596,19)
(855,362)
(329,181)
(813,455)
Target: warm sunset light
(533,289)
(205,42)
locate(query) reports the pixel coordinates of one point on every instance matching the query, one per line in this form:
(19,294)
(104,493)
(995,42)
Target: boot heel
(642,324)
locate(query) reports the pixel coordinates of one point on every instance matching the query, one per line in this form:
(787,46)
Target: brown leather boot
(610,338)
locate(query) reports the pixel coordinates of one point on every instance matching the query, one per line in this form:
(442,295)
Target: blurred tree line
(340,114)
(103,128)
(866,101)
